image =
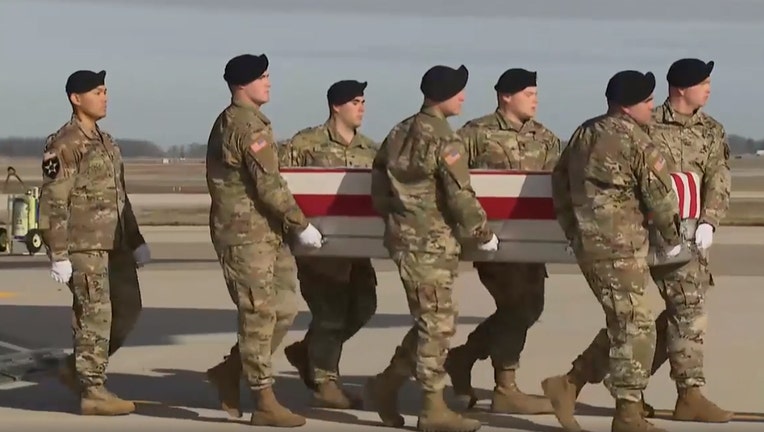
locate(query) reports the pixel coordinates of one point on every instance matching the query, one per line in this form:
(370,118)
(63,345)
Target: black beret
(515,80)
(83,81)
(344,91)
(441,83)
(688,72)
(630,87)
(245,68)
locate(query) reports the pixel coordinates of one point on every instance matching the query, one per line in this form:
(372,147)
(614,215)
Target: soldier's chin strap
(12,173)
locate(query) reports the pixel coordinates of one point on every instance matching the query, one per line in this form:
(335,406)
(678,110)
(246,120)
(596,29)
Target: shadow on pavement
(173,393)
(48,326)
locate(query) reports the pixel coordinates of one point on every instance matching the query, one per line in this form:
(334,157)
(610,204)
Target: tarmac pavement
(188,325)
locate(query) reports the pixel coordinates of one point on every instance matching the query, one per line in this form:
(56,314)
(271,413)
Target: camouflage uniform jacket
(492,142)
(421,186)
(696,143)
(608,178)
(250,199)
(322,146)
(83,202)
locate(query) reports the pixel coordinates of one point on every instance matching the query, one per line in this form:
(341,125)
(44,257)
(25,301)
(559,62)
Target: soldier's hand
(142,255)
(674,251)
(61,271)
(490,245)
(311,237)
(704,236)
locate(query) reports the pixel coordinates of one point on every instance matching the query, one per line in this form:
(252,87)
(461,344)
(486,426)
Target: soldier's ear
(75,99)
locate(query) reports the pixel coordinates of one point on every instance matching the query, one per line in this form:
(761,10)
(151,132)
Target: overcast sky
(164,58)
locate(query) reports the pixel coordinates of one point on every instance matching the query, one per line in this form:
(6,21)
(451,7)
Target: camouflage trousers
(342,296)
(681,327)
(428,280)
(106,303)
(518,290)
(260,280)
(619,285)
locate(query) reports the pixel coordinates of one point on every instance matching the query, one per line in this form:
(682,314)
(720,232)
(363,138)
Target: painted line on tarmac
(229,337)
(13,347)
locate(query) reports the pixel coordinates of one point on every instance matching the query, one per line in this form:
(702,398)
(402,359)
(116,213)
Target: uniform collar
(249,106)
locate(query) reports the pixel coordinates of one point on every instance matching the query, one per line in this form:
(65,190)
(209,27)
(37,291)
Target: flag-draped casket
(518,205)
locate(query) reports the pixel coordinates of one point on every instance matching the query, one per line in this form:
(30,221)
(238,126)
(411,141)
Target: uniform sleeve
(285,153)
(552,153)
(460,197)
(295,154)
(563,204)
(262,161)
(657,193)
(132,230)
(717,180)
(470,136)
(59,171)
(381,191)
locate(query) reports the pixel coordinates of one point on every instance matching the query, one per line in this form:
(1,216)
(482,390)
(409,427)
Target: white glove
(142,255)
(61,271)
(311,237)
(490,245)
(674,251)
(704,236)
(569,250)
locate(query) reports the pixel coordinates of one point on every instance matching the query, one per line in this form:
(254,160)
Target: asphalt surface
(188,324)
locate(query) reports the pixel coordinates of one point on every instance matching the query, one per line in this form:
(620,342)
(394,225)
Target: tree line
(32,147)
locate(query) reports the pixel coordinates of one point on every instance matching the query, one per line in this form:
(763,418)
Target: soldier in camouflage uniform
(510,139)
(226,375)
(691,141)
(340,292)
(93,241)
(250,212)
(607,181)
(421,187)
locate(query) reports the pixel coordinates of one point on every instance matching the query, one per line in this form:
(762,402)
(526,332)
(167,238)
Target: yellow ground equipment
(23,212)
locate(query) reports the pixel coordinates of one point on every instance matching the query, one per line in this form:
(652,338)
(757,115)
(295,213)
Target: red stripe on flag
(361,206)
(678,179)
(693,188)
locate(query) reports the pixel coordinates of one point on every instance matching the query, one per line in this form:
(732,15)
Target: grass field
(151,176)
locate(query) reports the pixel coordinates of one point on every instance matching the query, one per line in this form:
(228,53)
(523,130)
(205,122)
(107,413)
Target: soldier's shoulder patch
(659,163)
(451,154)
(51,165)
(257,145)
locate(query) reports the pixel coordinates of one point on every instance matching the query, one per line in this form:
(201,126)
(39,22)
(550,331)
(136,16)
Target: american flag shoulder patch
(451,155)
(258,145)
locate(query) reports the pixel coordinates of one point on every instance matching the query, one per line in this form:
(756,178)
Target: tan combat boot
(458,366)
(97,400)
(691,405)
(628,418)
(297,356)
(269,412)
(562,391)
(382,395)
(508,399)
(437,417)
(329,394)
(225,377)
